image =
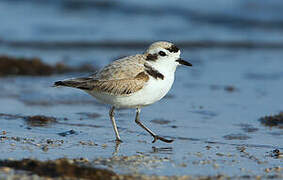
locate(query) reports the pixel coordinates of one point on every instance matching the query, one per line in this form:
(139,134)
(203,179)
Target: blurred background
(57,30)
(217,106)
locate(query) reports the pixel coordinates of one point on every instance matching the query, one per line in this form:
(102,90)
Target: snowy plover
(133,81)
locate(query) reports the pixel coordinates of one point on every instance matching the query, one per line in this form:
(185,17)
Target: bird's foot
(118,140)
(161,139)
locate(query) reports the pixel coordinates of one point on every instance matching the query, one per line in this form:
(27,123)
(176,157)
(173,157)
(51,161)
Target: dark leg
(156,137)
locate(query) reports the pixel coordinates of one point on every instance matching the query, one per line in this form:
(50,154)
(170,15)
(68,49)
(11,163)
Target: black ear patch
(151,57)
(173,48)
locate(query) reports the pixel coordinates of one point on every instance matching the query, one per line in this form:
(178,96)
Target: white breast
(156,89)
(153,91)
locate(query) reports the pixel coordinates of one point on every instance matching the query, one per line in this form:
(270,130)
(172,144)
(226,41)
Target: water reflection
(162,150)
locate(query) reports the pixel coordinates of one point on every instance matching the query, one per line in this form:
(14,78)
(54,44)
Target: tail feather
(59,83)
(66,83)
(81,83)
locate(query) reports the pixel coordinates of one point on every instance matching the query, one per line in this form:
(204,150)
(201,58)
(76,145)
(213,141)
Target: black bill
(183,62)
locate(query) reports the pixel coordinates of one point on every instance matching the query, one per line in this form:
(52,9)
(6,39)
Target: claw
(162,139)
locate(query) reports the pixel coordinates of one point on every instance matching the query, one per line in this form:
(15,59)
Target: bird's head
(164,53)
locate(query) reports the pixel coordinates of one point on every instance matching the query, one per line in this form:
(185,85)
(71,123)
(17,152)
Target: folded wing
(122,77)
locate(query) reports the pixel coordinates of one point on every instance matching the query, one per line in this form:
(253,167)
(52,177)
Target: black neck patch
(153,72)
(151,57)
(173,48)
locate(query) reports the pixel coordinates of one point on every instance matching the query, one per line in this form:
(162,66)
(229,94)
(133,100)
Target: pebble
(215,166)
(45,148)
(267,170)
(104,145)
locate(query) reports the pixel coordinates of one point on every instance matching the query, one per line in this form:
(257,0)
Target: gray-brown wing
(121,77)
(115,87)
(121,86)
(125,68)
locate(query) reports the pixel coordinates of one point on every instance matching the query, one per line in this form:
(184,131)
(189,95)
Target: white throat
(165,67)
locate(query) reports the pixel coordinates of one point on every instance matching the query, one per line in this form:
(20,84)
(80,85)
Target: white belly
(153,91)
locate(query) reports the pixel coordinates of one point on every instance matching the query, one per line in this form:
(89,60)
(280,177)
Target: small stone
(91,143)
(16,138)
(183,165)
(198,154)
(267,170)
(45,148)
(229,155)
(257,177)
(208,147)
(219,154)
(49,141)
(230,88)
(278,169)
(3,137)
(215,166)
(104,145)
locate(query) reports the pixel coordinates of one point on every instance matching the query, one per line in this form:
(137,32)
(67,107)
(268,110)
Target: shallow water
(212,112)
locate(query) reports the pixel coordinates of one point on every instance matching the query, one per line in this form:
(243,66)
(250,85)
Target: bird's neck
(165,68)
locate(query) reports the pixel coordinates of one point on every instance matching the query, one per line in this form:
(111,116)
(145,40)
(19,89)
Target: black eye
(161,53)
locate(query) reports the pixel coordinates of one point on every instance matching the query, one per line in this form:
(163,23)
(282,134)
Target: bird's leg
(156,137)
(117,147)
(137,120)
(111,114)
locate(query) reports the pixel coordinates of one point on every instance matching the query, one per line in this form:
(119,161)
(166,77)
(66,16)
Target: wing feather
(122,77)
(121,86)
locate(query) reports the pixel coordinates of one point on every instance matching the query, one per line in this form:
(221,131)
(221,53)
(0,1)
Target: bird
(133,82)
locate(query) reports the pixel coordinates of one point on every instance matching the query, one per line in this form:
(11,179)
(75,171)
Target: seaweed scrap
(58,168)
(35,67)
(39,120)
(271,121)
